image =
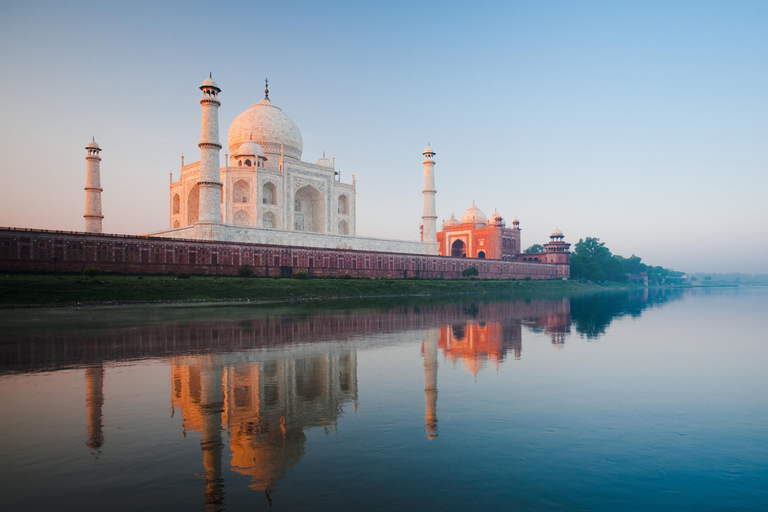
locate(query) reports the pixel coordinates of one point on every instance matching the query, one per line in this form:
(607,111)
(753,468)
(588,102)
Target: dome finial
(266,88)
(210,74)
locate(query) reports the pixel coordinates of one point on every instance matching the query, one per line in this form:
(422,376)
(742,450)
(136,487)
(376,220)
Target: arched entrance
(193,205)
(481,255)
(459,249)
(309,210)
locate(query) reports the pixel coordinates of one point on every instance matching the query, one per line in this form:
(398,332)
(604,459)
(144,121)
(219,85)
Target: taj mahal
(268,208)
(265,193)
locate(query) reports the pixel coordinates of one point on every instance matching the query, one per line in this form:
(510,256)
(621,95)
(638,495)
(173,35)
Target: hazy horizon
(641,123)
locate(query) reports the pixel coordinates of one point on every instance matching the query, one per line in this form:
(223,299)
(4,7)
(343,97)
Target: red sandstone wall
(26,250)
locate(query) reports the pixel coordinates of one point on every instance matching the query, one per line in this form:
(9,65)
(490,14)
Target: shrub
(346,276)
(91,271)
(470,272)
(182,275)
(300,274)
(245,271)
(383,278)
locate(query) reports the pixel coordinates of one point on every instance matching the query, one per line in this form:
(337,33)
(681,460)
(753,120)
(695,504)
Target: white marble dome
(473,215)
(92,145)
(325,162)
(249,148)
(451,222)
(556,233)
(267,125)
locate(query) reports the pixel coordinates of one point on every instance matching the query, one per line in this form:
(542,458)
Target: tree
(470,272)
(534,248)
(245,271)
(593,260)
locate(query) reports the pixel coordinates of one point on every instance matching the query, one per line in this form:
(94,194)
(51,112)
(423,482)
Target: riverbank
(27,290)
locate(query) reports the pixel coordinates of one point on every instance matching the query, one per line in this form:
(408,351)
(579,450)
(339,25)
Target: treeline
(592,260)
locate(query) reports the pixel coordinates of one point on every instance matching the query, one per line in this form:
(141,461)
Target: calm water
(611,402)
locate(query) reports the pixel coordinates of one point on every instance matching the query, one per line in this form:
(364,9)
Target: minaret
(93,189)
(429,351)
(429,217)
(94,398)
(210,186)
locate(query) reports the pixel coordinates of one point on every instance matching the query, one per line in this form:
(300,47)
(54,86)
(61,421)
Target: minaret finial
(266,88)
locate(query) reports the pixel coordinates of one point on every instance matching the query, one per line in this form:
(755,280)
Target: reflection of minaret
(94,379)
(429,350)
(211,407)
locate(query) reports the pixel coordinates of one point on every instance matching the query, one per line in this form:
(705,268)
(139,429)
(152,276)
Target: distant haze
(642,123)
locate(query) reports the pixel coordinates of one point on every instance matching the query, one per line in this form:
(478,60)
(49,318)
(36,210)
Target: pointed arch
(241,192)
(193,205)
(269,193)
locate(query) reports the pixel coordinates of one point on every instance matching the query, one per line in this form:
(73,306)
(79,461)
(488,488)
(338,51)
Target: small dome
(473,215)
(324,162)
(209,82)
(451,222)
(249,148)
(92,145)
(556,233)
(515,221)
(495,220)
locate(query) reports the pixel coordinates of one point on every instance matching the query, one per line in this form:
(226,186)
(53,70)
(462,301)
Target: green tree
(592,260)
(245,271)
(534,248)
(470,272)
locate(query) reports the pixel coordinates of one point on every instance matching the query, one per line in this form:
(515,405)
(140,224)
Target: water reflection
(263,403)
(94,399)
(249,383)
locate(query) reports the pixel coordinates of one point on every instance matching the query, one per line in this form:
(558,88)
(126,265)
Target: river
(651,400)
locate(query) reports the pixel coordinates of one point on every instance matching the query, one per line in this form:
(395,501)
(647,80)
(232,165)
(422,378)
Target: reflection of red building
(478,237)
(476,343)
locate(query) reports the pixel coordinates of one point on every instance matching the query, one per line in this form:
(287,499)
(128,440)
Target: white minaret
(93,189)
(429,217)
(210,186)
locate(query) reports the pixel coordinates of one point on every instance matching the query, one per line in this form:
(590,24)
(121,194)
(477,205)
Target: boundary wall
(46,251)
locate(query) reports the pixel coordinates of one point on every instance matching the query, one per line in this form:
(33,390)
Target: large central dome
(268,126)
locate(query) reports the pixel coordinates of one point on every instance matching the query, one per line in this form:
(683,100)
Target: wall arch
(344,204)
(343,228)
(459,249)
(241,218)
(241,192)
(269,193)
(269,220)
(193,205)
(309,210)
(176,204)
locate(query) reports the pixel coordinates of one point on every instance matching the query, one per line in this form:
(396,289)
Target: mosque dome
(473,215)
(92,145)
(249,148)
(451,222)
(324,162)
(495,220)
(267,125)
(556,233)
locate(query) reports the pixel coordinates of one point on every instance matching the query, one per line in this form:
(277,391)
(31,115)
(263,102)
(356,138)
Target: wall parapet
(44,251)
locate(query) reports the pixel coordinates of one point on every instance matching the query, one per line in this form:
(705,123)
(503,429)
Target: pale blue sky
(642,123)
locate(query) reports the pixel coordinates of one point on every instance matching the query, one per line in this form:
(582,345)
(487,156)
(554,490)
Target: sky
(644,124)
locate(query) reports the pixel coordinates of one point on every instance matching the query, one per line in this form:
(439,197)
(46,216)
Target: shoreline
(25,291)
